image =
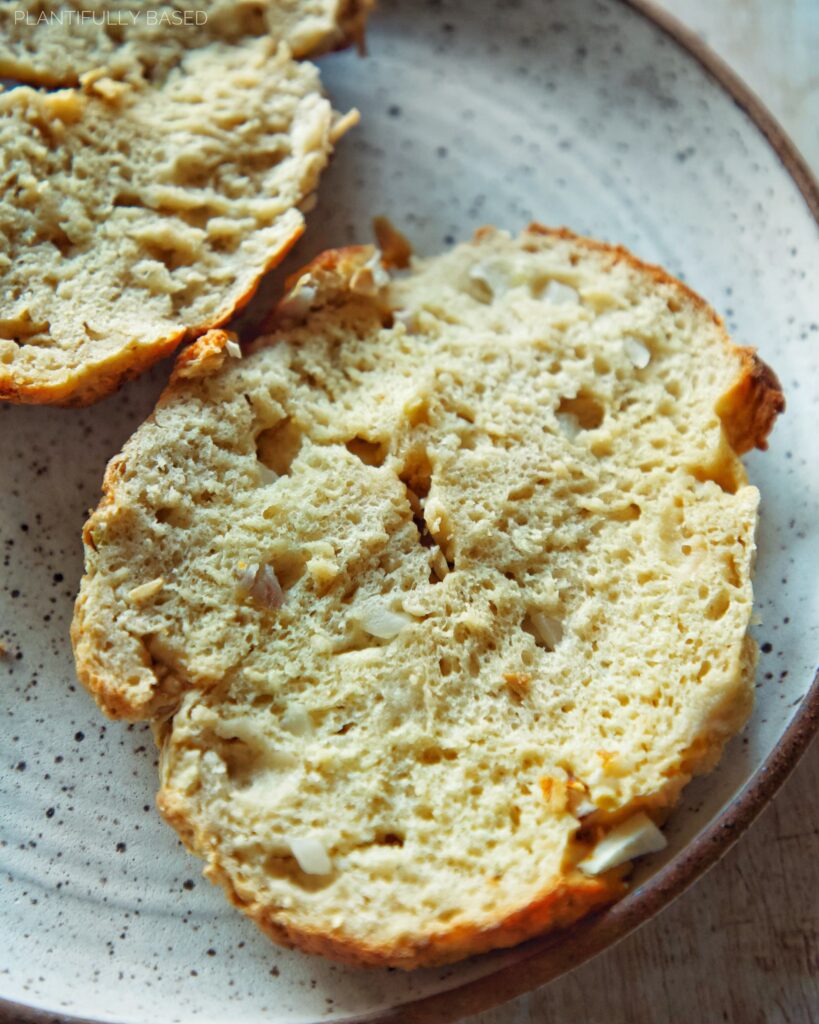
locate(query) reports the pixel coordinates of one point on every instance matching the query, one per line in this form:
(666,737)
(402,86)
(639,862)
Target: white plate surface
(573,112)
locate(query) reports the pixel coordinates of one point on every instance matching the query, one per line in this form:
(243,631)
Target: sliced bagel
(439,596)
(57,42)
(137,215)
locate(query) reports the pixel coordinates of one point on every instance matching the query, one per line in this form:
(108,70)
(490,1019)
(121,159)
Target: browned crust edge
(352,22)
(96,381)
(558,904)
(203,356)
(331,261)
(556,907)
(92,383)
(748,409)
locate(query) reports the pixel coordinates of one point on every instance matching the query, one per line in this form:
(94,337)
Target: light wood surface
(742,946)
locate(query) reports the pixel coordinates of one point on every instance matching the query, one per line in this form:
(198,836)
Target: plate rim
(544,960)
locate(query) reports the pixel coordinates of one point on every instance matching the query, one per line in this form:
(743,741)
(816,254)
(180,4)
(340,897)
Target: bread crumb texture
(455,579)
(141,207)
(57,42)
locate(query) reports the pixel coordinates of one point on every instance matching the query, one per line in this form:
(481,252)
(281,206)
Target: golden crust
(205,356)
(352,23)
(748,409)
(341,261)
(560,903)
(558,906)
(396,250)
(89,384)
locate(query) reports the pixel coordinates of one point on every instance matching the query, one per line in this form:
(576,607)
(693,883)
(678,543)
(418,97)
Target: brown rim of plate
(543,960)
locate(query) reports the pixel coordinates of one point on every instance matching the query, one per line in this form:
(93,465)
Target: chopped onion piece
(262,585)
(493,275)
(298,300)
(569,424)
(311,855)
(583,807)
(370,278)
(560,294)
(266,588)
(377,619)
(407,317)
(246,574)
(266,474)
(632,838)
(636,353)
(296,720)
(548,630)
(145,591)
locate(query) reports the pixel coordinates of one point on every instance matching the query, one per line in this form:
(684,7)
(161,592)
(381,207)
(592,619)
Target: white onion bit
(493,275)
(635,837)
(266,474)
(407,317)
(370,278)
(298,300)
(560,294)
(262,585)
(548,630)
(636,353)
(378,620)
(311,855)
(297,721)
(569,425)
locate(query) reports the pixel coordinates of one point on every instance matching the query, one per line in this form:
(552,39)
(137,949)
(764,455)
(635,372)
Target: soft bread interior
(135,215)
(57,42)
(430,591)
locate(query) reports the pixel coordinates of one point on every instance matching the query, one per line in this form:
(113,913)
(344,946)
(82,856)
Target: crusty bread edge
(748,409)
(94,381)
(557,905)
(351,24)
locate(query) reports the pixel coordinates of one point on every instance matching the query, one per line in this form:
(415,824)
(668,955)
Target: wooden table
(742,946)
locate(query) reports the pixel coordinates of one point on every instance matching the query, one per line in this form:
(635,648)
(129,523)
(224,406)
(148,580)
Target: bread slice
(56,42)
(136,215)
(438,597)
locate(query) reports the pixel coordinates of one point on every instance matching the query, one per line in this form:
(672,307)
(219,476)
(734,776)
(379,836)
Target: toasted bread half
(57,42)
(439,596)
(142,206)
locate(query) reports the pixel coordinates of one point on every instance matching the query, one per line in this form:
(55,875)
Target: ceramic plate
(575,112)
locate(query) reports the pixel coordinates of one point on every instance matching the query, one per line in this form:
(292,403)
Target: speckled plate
(576,112)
